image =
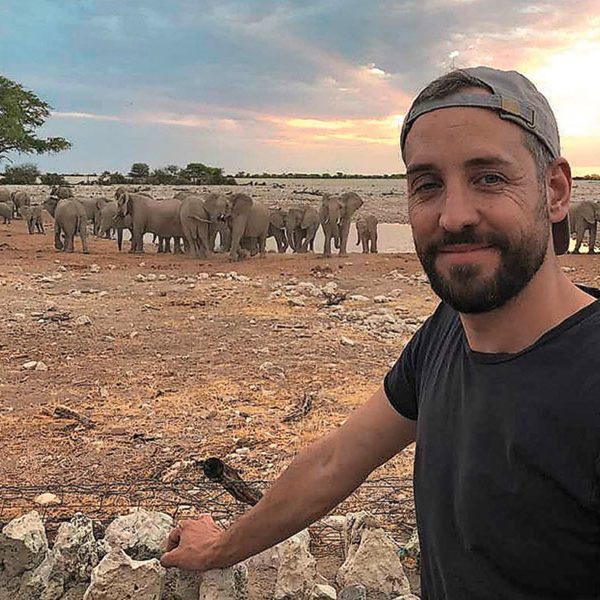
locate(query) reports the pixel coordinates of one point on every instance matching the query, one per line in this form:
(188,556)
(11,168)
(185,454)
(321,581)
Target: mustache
(467,236)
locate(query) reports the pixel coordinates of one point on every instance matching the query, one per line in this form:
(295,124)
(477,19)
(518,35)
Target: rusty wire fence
(389,499)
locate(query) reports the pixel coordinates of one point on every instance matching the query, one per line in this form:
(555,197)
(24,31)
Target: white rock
(28,366)
(346,341)
(359,298)
(380,299)
(94,268)
(224,584)
(41,366)
(202,276)
(119,577)
(47,499)
(297,574)
(47,582)
(23,544)
(151,277)
(162,277)
(75,549)
(323,592)
(413,547)
(376,565)
(83,320)
(142,534)
(140,277)
(296,302)
(334,521)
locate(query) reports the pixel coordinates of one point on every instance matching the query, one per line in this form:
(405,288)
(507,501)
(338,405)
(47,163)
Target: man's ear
(558,183)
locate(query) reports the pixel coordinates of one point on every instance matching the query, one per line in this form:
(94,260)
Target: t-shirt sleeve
(400,382)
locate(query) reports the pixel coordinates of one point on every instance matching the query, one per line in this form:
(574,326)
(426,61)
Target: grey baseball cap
(515,99)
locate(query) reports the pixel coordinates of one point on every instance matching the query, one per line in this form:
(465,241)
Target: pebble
(83,320)
(140,277)
(47,499)
(28,366)
(346,341)
(94,268)
(41,366)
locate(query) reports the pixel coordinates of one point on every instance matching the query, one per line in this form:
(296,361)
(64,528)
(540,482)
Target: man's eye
(490,179)
(425,186)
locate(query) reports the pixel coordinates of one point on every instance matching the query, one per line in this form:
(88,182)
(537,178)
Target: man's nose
(459,209)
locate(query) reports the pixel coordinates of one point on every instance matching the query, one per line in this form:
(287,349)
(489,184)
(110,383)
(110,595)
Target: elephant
(336,214)
(277,228)
(6,212)
(99,205)
(33,217)
(200,216)
(301,226)
(109,220)
(61,191)
(366,231)
(91,212)
(70,218)
(150,215)
(248,218)
(582,217)
(20,199)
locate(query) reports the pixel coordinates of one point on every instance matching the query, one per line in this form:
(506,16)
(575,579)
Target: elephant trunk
(289,230)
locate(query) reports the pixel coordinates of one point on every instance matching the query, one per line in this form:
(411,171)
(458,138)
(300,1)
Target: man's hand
(191,545)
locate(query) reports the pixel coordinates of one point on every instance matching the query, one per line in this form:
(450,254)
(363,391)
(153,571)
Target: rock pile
(124,564)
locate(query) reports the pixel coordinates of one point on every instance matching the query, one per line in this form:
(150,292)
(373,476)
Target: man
(497,387)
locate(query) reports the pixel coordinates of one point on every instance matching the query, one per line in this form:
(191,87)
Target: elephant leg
(579,239)
(365,243)
(345,230)
(237,232)
(119,238)
(58,244)
(137,240)
(262,246)
(177,245)
(30,226)
(327,244)
(82,227)
(592,249)
(374,243)
(40,227)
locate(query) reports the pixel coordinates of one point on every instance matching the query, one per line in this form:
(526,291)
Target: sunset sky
(290,85)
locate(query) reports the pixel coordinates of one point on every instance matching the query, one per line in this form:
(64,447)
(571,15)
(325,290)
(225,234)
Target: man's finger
(171,558)
(173,539)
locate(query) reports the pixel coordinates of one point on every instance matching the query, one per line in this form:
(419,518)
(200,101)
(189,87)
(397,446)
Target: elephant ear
(240,204)
(307,219)
(215,205)
(586,210)
(351,202)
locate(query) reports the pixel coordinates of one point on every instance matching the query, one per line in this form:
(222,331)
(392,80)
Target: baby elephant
(366,231)
(33,216)
(6,212)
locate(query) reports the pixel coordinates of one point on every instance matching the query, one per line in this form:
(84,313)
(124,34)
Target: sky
(282,86)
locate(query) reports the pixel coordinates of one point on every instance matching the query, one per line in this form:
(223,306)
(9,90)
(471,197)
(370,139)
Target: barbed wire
(389,499)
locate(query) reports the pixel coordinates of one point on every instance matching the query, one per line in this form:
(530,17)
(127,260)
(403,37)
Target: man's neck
(547,300)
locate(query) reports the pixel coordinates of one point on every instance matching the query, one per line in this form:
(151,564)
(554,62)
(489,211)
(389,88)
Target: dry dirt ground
(176,361)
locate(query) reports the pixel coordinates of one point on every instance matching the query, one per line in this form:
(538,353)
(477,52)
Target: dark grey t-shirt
(507,463)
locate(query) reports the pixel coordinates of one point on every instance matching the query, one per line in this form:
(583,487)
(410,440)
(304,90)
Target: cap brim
(561,236)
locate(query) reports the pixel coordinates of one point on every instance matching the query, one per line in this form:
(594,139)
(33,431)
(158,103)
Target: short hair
(457,80)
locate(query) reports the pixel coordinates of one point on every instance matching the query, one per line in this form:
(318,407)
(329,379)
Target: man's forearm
(308,489)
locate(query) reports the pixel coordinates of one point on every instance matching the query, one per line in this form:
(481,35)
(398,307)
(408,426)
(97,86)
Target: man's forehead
(471,130)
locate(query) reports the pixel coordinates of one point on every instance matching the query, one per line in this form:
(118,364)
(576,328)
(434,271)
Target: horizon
(281,86)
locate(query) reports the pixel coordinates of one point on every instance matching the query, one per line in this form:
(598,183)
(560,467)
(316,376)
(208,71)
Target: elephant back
(585,210)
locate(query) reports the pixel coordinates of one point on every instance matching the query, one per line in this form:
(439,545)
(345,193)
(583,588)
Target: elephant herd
(242,223)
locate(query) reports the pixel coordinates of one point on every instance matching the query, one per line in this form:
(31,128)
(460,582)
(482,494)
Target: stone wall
(86,562)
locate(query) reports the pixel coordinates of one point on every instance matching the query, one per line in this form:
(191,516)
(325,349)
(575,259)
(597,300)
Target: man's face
(479,218)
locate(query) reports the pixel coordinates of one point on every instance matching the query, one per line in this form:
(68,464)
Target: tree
(25,174)
(21,113)
(139,170)
(115,178)
(53,179)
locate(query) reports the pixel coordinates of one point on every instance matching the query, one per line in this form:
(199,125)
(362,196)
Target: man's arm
(319,478)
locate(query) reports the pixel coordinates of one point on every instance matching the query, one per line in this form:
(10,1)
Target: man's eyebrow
(422,168)
(482,161)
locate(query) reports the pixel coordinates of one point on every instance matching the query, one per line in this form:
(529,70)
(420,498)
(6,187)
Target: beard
(465,288)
